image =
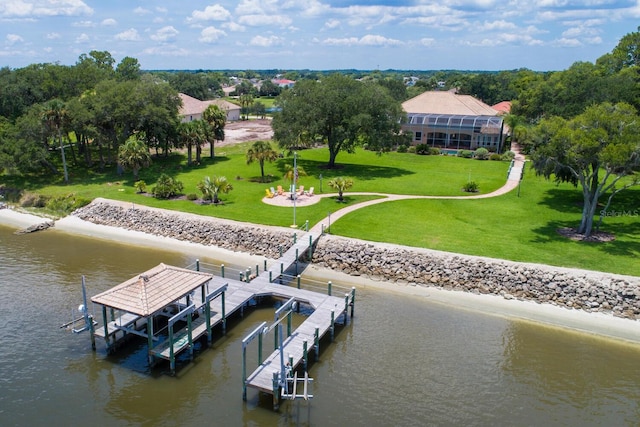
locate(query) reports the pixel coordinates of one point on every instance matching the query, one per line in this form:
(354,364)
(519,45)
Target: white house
(193,108)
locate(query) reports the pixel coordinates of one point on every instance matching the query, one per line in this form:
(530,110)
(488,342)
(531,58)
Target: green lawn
(518,228)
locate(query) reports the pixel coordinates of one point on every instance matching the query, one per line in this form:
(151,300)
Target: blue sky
(317,34)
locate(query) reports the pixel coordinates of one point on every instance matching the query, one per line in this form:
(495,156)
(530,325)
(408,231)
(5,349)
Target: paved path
(512,182)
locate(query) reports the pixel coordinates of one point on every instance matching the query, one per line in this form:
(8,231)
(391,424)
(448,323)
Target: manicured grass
(510,227)
(507,227)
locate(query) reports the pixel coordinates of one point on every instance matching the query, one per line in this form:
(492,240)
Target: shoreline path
(512,182)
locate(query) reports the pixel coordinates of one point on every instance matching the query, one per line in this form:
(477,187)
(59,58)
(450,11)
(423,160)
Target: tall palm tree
(217,119)
(191,135)
(211,187)
(246,99)
(260,152)
(341,185)
(55,116)
(134,155)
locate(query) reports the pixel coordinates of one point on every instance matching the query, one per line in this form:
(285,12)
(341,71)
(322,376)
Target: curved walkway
(512,182)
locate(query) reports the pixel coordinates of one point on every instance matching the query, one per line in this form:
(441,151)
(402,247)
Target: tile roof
(503,107)
(152,290)
(192,106)
(441,102)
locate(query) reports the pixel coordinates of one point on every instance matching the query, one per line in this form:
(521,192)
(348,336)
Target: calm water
(405,361)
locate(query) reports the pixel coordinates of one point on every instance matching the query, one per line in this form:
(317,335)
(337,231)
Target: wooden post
(276,394)
(280,250)
(310,247)
(248,274)
(92,331)
(260,349)
(257,270)
(113,314)
(353,300)
(276,331)
(329,288)
(333,326)
(297,256)
(291,365)
(305,355)
(298,277)
(265,265)
(295,238)
(150,339)
(289,316)
(222,270)
(172,360)
(241,276)
(197,265)
(281,268)
(244,373)
(316,339)
(207,316)
(270,276)
(106,326)
(190,335)
(346,308)
(224,315)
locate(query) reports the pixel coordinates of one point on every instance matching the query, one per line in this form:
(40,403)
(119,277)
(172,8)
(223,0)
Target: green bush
(495,156)
(141,186)
(422,149)
(467,154)
(411,149)
(66,204)
(470,187)
(192,196)
(481,154)
(33,200)
(403,148)
(434,151)
(508,155)
(166,187)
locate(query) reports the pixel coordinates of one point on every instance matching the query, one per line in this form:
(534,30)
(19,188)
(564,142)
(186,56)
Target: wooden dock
(203,301)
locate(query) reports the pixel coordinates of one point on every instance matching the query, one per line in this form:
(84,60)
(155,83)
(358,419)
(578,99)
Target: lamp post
(295,183)
(320,182)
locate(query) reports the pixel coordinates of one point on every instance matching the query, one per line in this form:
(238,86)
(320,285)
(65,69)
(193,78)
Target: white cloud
(82,38)
(265,41)
(141,11)
(566,42)
(109,22)
(332,23)
(232,26)
(210,13)
(12,39)
(497,26)
(43,8)
(83,24)
(53,36)
(130,35)
(166,51)
(368,40)
(426,41)
(261,20)
(211,35)
(165,33)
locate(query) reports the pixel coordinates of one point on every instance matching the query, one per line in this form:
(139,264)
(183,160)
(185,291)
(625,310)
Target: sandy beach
(595,323)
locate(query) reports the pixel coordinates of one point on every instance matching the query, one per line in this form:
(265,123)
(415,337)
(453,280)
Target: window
(418,136)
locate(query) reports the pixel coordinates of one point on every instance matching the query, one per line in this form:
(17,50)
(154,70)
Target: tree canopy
(596,151)
(340,112)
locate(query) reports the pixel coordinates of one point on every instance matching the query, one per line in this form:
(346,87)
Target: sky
(540,35)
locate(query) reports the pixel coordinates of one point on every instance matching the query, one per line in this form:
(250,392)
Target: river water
(404,360)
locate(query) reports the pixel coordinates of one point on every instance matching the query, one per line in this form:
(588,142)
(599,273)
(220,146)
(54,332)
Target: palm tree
(291,175)
(191,135)
(210,188)
(246,100)
(260,152)
(340,184)
(134,155)
(55,117)
(217,119)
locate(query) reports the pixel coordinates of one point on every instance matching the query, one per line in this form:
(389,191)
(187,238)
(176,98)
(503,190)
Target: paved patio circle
(286,200)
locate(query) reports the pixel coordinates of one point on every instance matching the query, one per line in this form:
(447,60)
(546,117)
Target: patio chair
(280,190)
(268,193)
(310,192)
(301,190)
(273,191)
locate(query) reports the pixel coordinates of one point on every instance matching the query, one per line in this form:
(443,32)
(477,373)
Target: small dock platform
(172,307)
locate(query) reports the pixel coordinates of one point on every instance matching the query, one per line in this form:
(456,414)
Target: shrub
(166,187)
(495,156)
(508,155)
(470,187)
(403,148)
(482,154)
(411,149)
(33,200)
(66,204)
(422,149)
(192,196)
(434,151)
(141,186)
(467,154)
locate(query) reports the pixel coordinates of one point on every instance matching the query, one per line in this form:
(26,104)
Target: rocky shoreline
(576,289)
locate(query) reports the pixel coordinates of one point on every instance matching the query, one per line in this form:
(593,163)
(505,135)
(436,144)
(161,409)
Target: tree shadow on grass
(360,172)
(563,200)
(621,246)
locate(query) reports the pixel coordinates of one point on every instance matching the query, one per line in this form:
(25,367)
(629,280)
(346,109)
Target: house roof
(441,102)
(152,290)
(193,106)
(503,107)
